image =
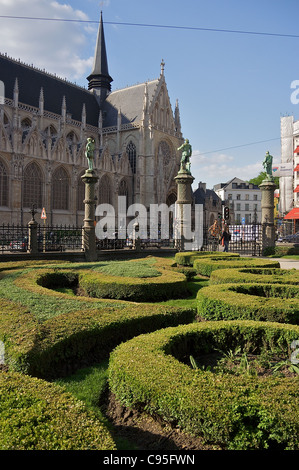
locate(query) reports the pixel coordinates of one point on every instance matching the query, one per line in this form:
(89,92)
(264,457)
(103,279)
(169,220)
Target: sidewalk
(287,263)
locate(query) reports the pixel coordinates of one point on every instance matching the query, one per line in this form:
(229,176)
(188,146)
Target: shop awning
(296,168)
(296,149)
(293,214)
(296,190)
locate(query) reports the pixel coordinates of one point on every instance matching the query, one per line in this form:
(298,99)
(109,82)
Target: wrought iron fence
(59,238)
(245,239)
(13,238)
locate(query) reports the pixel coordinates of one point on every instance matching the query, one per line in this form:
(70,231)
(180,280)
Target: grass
(43,307)
(89,385)
(194,286)
(137,269)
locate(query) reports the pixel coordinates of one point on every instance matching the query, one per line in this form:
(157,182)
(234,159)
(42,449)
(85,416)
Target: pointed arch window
(131,151)
(3,185)
(60,189)
(25,125)
(32,186)
(123,190)
(105,194)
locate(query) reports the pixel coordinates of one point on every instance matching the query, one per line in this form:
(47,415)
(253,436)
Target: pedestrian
(226,236)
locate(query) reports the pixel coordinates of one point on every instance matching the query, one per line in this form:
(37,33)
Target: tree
(258,179)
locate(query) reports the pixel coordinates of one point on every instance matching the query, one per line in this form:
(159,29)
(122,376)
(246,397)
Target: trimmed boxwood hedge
(170,284)
(206,266)
(36,415)
(186,258)
(235,412)
(267,302)
(53,346)
(261,275)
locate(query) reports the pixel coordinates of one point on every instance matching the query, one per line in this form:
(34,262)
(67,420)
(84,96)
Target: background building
(212,204)
(289,185)
(44,125)
(243,199)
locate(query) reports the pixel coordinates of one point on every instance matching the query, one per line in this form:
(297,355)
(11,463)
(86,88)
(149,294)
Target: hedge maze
(212,360)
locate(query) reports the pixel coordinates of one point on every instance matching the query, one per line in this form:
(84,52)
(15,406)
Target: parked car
(294,238)
(19,245)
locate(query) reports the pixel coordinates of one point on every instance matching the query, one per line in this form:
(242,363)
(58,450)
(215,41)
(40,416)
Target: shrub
(71,333)
(262,275)
(236,412)
(206,266)
(186,258)
(270,302)
(36,415)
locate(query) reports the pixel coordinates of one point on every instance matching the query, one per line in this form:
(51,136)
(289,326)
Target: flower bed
(267,302)
(236,412)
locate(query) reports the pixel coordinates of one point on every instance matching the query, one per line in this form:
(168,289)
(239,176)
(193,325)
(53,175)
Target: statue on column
(89,152)
(186,155)
(267,164)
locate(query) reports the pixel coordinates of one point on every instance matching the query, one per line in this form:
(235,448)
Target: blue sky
(232,88)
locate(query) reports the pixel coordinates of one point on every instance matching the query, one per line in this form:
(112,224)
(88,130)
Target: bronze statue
(186,155)
(267,164)
(89,152)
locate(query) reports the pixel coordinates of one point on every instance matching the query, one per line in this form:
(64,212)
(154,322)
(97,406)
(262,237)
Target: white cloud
(52,45)
(217,168)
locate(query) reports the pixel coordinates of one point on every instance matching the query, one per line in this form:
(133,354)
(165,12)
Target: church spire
(99,79)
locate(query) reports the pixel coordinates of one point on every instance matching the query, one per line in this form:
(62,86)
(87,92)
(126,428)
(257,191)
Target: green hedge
(186,258)
(36,415)
(49,347)
(267,302)
(261,275)
(236,412)
(169,285)
(280,250)
(206,266)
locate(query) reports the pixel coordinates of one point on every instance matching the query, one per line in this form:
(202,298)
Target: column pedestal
(89,237)
(268,229)
(184,181)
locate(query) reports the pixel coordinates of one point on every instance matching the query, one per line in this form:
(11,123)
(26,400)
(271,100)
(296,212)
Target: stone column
(89,237)
(268,229)
(184,181)
(32,233)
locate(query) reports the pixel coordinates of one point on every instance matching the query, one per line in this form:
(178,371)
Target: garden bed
(233,411)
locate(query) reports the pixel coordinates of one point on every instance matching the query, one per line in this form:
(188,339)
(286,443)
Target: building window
(229,197)
(3,185)
(247,207)
(105,191)
(131,151)
(32,186)
(124,191)
(246,197)
(238,218)
(255,197)
(60,189)
(238,206)
(238,197)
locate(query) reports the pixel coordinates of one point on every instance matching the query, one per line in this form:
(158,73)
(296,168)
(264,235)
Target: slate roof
(130,101)
(31,80)
(200,195)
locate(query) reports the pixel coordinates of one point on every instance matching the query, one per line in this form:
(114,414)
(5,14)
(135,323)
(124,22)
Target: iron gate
(245,239)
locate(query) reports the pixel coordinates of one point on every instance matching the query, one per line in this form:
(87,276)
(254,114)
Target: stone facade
(44,125)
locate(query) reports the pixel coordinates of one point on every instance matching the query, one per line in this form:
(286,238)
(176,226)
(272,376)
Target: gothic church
(44,125)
